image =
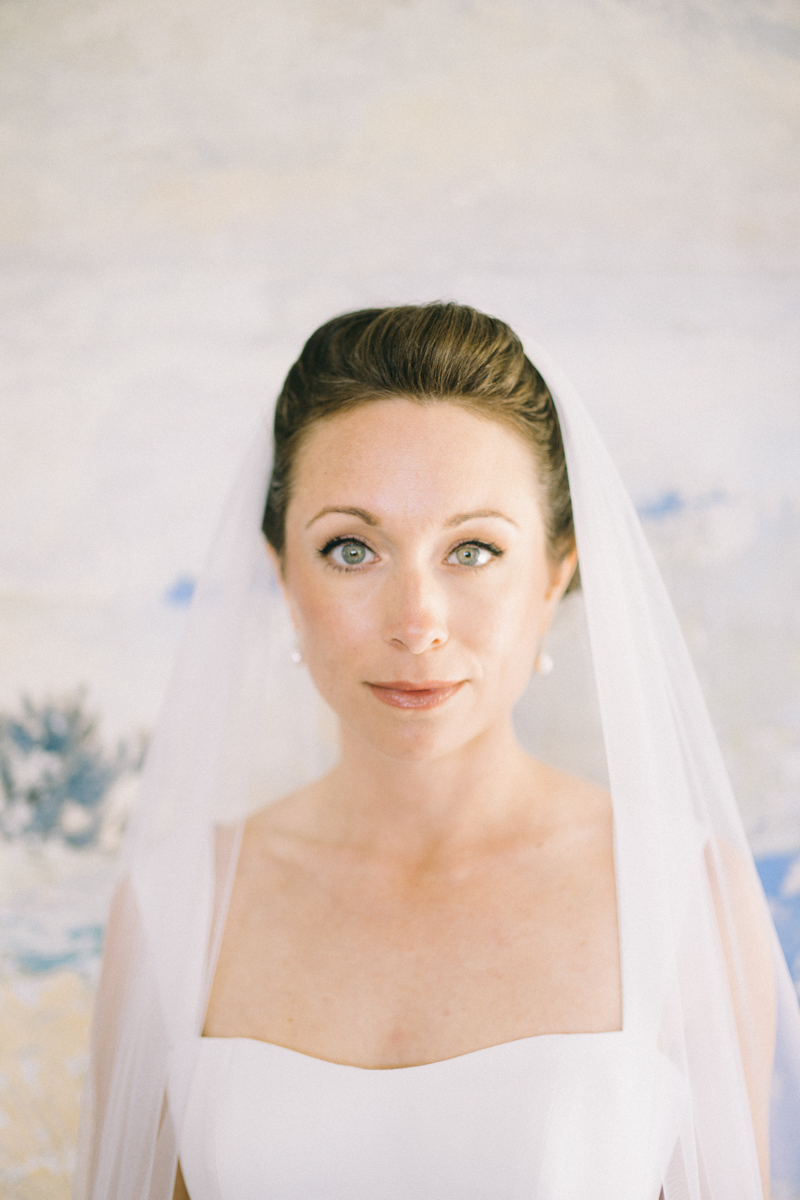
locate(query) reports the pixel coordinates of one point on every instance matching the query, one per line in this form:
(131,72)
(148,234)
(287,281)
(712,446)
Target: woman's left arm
(747,946)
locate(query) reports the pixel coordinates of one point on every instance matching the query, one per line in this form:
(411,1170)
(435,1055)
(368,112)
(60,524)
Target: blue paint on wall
(51,762)
(180,592)
(785,909)
(662,506)
(83,949)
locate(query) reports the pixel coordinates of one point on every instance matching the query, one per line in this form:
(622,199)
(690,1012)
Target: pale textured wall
(584,133)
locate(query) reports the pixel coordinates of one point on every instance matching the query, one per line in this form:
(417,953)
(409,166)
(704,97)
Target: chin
(418,740)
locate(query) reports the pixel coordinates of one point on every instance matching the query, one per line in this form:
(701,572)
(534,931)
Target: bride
(439,969)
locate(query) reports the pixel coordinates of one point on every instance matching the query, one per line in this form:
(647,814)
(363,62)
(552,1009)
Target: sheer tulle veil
(241,726)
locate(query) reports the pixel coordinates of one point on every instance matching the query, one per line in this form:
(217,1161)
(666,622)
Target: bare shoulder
(569,800)
(291,817)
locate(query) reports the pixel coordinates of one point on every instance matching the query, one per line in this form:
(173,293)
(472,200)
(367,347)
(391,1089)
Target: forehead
(416,459)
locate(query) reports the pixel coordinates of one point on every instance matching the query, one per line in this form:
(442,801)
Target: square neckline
(437,1062)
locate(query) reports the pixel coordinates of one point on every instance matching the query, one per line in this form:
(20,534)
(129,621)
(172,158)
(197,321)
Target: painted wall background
(188,189)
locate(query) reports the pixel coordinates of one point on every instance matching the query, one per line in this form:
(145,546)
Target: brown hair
(422,353)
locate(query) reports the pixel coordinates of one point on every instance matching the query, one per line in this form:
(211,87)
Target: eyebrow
(460,518)
(366,517)
(369,519)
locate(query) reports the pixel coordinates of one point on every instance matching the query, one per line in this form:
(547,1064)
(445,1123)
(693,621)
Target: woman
(439,968)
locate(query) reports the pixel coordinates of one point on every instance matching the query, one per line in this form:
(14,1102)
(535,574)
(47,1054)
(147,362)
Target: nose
(416,614)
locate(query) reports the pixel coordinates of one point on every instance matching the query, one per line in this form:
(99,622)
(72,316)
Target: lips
(401,694)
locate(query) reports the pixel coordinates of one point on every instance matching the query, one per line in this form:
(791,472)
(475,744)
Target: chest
(350,963)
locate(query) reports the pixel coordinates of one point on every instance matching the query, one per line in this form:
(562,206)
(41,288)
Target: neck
(426,809)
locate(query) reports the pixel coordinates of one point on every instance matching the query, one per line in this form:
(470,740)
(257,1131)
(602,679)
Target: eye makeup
(327,549)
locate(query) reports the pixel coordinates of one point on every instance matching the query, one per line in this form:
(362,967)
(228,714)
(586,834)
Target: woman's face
(416,571)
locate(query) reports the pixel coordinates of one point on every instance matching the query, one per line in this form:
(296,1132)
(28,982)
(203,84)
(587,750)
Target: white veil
(241,726)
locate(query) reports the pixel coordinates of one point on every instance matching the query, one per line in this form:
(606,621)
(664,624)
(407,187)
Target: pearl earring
(297,654)
(543,663)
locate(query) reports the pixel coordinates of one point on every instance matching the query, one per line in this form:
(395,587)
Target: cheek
(499,624)
(338,625)
(505,626)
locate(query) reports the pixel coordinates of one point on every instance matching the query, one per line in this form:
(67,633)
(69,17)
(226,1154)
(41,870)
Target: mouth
(400,694)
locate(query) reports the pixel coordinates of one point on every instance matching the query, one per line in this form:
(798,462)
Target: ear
(563,573)
(560,575)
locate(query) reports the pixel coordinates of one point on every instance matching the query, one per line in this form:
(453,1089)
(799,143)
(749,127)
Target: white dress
(555,1117)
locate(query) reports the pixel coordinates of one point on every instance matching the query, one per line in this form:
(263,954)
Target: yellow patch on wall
(43,1052)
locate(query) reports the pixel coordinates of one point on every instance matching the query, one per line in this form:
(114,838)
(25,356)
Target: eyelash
(330,545)
(325,550)
(495,551)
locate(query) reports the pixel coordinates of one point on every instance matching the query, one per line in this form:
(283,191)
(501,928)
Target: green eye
(353,554)
(350,554)
(471,554)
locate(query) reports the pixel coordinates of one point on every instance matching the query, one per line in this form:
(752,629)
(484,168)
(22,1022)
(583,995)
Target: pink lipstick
(402,694)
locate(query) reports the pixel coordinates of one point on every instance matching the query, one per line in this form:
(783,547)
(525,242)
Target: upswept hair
(423,353)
